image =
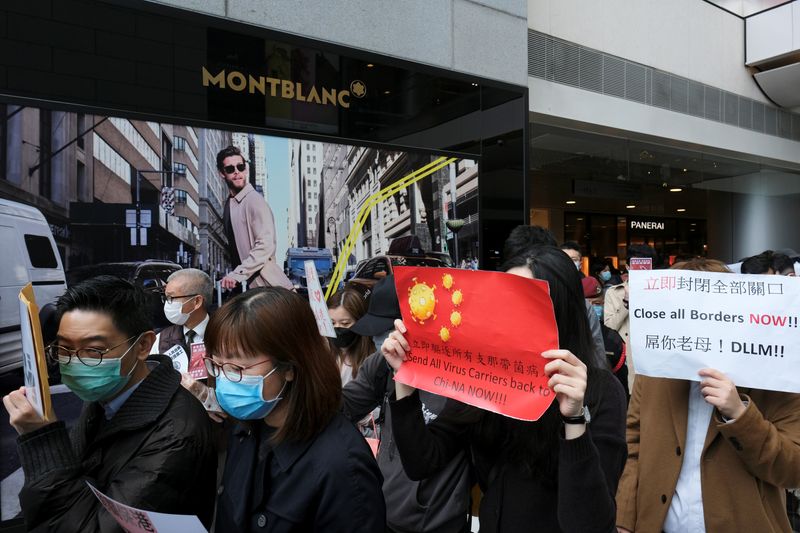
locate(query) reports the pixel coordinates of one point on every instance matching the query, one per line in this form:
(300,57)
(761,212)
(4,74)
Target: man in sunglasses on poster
(249,227)
(141,438)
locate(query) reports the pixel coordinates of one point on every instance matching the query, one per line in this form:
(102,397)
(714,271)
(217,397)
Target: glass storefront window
(607,193)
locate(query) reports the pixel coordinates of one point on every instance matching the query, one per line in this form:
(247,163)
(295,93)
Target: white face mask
(173,312)
(577,264)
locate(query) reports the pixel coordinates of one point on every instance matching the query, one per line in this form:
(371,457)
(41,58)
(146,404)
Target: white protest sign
(137,521)
(317,301)
(743,325)
(33,387)
(180,360)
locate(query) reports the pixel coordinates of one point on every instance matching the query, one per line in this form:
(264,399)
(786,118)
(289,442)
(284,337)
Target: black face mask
(344,337)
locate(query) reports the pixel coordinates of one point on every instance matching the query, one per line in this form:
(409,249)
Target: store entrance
(608,236)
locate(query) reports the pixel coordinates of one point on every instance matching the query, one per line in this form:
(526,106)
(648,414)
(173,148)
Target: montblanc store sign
(287,89)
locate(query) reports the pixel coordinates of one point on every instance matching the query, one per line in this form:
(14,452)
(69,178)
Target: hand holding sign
(394,350)
(22,415)
(567,379)
(460,345)
(721,392)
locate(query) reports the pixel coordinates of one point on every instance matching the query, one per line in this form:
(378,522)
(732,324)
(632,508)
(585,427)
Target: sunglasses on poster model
(230,169)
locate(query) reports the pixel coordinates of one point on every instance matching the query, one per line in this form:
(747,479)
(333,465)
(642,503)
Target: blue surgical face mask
(598,310)
(244,400)
(95,383)
(605,275)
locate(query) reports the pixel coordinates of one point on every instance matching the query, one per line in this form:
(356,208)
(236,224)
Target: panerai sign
(288,89)
(647,224)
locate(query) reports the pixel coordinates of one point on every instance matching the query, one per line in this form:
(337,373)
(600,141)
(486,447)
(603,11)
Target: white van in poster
(29,255)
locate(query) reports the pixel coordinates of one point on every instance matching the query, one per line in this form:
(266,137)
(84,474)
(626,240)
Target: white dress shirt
(685,513)
(199,330)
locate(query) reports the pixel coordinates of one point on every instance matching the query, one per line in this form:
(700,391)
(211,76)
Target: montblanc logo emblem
(291,90)
(358,88)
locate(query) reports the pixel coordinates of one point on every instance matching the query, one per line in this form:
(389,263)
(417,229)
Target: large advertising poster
(140,199)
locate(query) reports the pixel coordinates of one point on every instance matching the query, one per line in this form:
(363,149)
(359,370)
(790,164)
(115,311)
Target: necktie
(190,335)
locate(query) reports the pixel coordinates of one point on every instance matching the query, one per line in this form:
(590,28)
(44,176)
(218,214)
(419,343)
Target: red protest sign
(640,263)
(197,366)
(477,337)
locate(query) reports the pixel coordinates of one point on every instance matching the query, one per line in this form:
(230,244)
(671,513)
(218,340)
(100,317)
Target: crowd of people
(293,432)
(285,450)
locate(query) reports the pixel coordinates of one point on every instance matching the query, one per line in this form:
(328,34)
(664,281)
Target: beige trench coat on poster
(254,229)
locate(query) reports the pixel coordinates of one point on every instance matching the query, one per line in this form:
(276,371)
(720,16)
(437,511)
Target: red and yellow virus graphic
(422,301)
(457,298)
(447,281)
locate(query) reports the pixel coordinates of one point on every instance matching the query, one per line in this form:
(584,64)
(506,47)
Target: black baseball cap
(384,309)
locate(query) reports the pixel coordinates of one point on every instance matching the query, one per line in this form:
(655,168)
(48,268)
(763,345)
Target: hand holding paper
(22,416)
(721,392)
(394,350)
(567,376)
(476,337)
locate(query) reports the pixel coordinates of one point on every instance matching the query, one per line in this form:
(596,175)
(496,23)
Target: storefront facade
(644,130)
(165,75)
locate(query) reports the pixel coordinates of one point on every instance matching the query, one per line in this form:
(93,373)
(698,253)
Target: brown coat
(254,230)
(745,463)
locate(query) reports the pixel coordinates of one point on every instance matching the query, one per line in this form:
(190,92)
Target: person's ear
(197,302)
(144,344)
(289,375)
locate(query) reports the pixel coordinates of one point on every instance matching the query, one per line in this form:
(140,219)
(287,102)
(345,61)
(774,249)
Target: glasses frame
(241,167)
(71,353)
(215,369)
(169,299)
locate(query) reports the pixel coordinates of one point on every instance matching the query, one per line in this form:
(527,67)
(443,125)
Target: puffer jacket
(156,453)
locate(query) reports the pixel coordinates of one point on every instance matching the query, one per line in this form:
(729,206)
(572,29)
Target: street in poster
(744,325)
(477,337)
(37,388)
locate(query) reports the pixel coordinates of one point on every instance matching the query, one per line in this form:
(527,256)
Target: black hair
(228,152)
(643,250)
(571,245)
(523,237)
(597,266)
(533,446)
(124,302)
(781,262)
(758,264)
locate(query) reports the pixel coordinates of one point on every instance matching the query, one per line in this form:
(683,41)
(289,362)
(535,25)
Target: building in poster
(306,183)
(213,193)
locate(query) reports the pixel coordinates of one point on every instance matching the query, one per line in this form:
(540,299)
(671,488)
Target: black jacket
(329,484)
(438,503)
(155,454)
(581,500)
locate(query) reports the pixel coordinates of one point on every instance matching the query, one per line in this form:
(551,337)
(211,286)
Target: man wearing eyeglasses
(186,298)
(141,438)
(249,227)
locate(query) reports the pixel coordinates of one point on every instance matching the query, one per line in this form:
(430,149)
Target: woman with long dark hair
(559,473)
(345,308)
(294,463)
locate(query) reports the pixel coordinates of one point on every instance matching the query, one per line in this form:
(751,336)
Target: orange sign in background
(477,337)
